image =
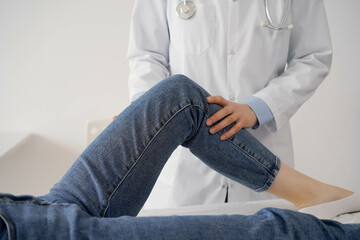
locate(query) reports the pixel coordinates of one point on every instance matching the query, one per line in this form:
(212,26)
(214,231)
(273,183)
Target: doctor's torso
(224,48)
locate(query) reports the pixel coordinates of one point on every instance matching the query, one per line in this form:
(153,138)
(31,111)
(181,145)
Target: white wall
(61,63)
(64,62)
(326,129)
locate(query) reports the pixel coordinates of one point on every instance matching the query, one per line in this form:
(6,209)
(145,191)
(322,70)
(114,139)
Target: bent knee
(180,88)
(180,82)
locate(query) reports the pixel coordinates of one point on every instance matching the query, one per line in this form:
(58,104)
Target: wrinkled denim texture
(100,195)
(32,218)
(116,173)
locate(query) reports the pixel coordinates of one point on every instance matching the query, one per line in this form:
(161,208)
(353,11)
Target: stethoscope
(186,10)
(285,16)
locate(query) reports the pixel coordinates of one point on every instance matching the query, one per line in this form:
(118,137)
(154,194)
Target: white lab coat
(224,48)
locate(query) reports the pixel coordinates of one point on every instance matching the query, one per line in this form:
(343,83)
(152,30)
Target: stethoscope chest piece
(185,9)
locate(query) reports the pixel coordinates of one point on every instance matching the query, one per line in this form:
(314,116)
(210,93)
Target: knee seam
(8,226)
(141,154)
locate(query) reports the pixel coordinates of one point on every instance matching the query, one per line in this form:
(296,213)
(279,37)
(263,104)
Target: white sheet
(244,208)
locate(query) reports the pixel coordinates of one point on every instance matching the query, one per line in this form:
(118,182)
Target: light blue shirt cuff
(261,110)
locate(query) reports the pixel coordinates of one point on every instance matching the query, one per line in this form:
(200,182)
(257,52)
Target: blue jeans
(110,181)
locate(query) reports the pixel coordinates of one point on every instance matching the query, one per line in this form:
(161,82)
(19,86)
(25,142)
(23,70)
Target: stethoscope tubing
(283,20)
(270,23)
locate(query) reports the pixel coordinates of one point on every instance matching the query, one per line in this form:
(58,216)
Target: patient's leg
(28,218)
(116,173)
(304,191)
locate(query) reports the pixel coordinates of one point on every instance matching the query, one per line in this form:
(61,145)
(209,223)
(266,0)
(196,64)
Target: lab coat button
(223,186)
(232,52)
(232,99)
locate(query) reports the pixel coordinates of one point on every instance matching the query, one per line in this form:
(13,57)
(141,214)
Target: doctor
(261,60)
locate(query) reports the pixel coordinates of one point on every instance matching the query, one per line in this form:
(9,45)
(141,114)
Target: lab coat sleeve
(148,51)
(309,61)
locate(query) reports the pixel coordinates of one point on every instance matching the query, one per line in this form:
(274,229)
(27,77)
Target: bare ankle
(304,191)
(324,193)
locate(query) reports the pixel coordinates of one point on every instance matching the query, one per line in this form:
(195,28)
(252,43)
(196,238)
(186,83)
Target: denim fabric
(115,174)
(32,218)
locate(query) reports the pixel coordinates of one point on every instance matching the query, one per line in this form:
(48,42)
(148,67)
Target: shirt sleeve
(261,110)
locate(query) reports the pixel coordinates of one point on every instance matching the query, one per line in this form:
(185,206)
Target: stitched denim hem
(272,177)
(272,173)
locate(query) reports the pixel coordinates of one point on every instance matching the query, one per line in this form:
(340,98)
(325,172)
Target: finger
(237,127)
(227,121)
(219,115)
(218,100)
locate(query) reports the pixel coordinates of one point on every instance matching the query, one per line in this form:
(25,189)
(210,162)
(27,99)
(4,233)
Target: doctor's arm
(309,61)
(148,46)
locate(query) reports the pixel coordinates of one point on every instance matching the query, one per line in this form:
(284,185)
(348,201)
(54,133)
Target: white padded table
(244,208)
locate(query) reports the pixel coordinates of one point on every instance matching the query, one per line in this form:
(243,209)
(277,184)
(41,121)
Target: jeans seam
(32,203)
(271,179)
(272,173)
(152,139)
(8,226)
(141,154)
(251,156)
(265,186)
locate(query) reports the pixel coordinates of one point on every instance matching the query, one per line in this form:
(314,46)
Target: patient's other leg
(116,173)
(28,218)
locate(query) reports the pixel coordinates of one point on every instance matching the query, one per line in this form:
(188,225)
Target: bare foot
(331,209)
(302,190)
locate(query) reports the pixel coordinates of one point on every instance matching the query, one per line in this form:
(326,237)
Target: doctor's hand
(240,114)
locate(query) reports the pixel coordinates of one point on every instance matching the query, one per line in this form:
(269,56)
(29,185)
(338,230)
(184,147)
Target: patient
(110,181)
